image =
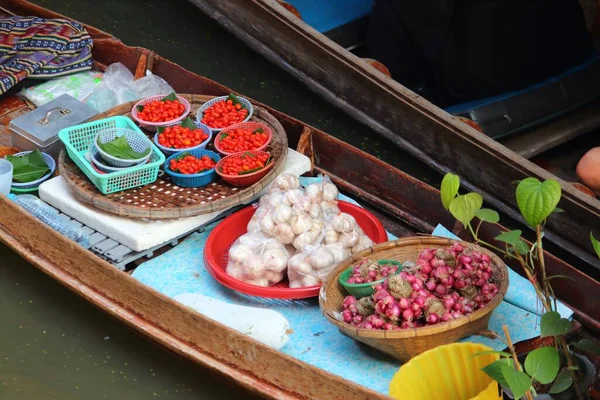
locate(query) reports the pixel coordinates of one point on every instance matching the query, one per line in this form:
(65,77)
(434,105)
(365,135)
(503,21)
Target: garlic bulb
(305,239)
(314,192)
(283,232)
(331,236)
(321,258)
(292,196)
(330,192)
(275,198)
(314,211)
(295,284)
(235,270)
(349,239)
(254,267)
(343,223)
(300,223)
(282,213)
(240,253)
(302,268)
(267,225)
(253,224)
(339,253)
(285,182)
(275,259)
(259,282)
(329,210)
(301,205)
(274,277)
(310,281)
(317,226)
(363,243)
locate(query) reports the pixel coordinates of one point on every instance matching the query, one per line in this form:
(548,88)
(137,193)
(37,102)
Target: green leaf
(596,244)
(29,167)
(259,130)
(463,208)
(552,324)
(171,96)
(542,364)
(121,149)
(223,136)
(563,381)
(482,353)
(188,123)
(521,247)
(235,100)
(140,108)
(494,370)
(588,345)
(518,382)
(510,237)
(487,215)
(449,189)
(557,210)
(537,200)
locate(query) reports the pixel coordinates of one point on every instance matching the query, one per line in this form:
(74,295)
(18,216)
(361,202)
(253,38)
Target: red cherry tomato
(161,111)
(241,139)
(191,165)
(244,164)
(223,114)
(179,137)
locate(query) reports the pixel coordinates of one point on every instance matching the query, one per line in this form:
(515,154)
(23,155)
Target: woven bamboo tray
(162,199)
(407,343)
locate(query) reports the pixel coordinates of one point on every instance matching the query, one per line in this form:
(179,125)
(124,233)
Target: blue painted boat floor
(325,15)
(316,341)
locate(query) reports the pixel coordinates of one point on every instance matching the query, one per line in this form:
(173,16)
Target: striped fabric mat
(32,47)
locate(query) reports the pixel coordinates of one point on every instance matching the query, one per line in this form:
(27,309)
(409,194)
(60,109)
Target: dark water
(54,345)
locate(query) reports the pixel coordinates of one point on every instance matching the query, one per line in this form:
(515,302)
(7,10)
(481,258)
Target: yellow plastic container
(448,372)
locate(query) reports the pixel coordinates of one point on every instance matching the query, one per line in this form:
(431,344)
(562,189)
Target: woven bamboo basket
(407,343)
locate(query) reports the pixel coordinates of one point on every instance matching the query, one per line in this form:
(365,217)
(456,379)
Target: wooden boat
(406,205)
(420,127)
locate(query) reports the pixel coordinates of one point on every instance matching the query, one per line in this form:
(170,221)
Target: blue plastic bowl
(193,180)
(170,151)
(29,185)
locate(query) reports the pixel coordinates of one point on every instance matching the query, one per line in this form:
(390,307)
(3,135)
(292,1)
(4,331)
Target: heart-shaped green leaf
(510,237)
(521,247)
(171,96)
(542,364)
(449,189)
(487,215)
(596,244)
(494,370)
(464,207)
(29,167)
(518,382)
(552,324)
(588,345)
(563,381)
(537,200)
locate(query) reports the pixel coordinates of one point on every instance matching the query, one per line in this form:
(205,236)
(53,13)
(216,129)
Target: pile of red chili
(245,164)
(161,111)
(179,137)
(191,165)
(223,114)
(241,139)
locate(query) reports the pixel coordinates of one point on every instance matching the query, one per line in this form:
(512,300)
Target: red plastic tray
(227,232)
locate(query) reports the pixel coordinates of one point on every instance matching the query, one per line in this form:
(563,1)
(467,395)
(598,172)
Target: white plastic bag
(118,87)
(311,266)
(258,259)
(79,86)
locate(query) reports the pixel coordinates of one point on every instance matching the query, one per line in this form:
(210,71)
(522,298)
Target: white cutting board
(138,234)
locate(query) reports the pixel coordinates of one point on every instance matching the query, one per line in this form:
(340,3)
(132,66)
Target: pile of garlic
(258,259)
(305,222)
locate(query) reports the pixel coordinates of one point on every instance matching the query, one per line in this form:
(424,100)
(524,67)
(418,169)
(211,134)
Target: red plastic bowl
(250,125)
(227,232)
(243,180)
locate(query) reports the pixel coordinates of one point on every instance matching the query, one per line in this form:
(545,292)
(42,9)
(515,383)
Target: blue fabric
(325,15)
(315,341)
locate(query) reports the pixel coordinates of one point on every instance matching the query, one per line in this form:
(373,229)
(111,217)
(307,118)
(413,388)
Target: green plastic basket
(77,140)
(359,290)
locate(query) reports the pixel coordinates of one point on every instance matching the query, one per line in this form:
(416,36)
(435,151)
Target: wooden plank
(402,116)
(530,143)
